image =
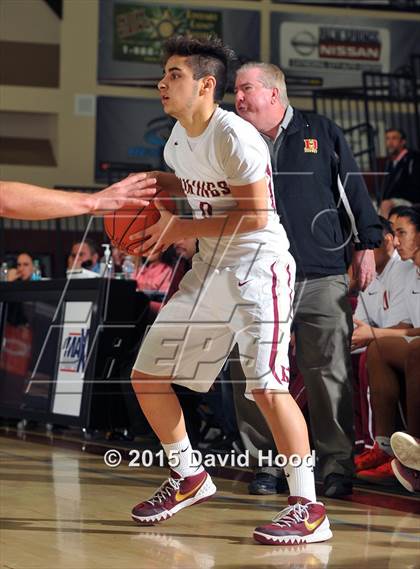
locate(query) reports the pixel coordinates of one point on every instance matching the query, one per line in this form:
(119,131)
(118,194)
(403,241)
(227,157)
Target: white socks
(384,444)
(181,458)
(301,479)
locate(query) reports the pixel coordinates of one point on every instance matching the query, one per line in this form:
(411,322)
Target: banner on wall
(131,34)
(139,30)
(399,4)
(338,50)
(346,49)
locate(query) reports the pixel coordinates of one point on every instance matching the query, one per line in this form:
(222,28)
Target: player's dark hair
(27,254)
(386,226)
(396,210)
(205,56)
(413,214)
(93,247)
(399,130)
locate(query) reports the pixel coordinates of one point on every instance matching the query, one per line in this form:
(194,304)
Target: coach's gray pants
(323,327)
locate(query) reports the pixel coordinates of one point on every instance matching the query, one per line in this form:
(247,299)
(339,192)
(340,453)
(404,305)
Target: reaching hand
(136,190)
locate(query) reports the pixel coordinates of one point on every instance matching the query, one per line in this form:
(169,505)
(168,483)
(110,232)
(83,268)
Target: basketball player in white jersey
(239,290)
(383,303)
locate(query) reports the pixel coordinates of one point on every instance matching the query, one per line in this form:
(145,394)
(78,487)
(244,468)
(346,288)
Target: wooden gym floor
(61,507)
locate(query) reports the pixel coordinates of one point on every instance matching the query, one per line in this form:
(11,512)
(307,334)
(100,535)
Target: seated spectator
(118,258)
(392,352)
(24,268)
(394,213)
(156,274)
(84,255)
(382,304)
(401,184)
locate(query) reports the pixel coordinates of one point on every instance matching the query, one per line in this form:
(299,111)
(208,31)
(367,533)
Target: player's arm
(28,202)
(364,333)
(250,215)
(169,182)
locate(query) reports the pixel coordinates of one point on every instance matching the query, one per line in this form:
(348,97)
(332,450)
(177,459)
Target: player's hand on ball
(161,235)
(136,190)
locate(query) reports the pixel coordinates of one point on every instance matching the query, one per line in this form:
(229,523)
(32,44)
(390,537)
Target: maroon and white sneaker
(408,477)
(302,521)
(174,494)
(407,449)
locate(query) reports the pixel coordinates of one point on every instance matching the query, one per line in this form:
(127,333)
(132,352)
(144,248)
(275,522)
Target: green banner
(140,30)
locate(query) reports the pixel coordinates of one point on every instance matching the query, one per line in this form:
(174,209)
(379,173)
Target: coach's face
(253,101)
(178,89)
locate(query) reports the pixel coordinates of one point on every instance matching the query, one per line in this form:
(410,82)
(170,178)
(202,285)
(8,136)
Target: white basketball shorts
(212,311)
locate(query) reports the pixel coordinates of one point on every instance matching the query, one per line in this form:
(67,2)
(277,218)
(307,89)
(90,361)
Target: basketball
(121,224)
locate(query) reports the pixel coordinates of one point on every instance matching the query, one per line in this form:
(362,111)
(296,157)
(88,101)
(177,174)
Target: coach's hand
(161,235)
(136,190)
(364,269)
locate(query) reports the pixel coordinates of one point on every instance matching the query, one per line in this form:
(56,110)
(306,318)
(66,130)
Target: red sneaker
(175,494)
(407,449)
(381,475)
(408,477)
(371,458)
(301,521)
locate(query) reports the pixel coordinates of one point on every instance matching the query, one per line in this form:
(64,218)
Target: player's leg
(286,421)
(190,350)
(263,347)
(406,446)
(155,394)
(188,483)
(412,379)
(385,358)
(304,520)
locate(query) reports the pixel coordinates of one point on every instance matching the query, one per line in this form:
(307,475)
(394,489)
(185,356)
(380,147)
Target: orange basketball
(122,223)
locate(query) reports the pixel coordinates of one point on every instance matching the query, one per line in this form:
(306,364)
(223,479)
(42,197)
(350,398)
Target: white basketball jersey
(230,152)
(413,297)
(383,303)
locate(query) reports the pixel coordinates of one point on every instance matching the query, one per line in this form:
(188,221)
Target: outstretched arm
(28,202)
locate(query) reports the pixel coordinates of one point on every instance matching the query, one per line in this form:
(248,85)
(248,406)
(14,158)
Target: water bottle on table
(128,268)
(4,270)
(36,275)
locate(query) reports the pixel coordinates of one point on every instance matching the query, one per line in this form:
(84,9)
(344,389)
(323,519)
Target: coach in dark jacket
(329,218)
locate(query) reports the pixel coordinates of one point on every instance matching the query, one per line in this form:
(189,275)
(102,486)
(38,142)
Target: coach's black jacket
(312,155)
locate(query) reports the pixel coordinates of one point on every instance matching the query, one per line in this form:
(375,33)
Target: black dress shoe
(337,485)
(265,484)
